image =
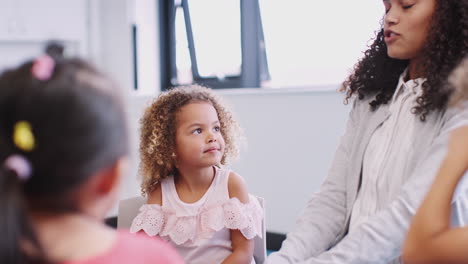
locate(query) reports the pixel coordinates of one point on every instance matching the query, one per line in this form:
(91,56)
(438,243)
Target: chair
(260,249)
(129,209)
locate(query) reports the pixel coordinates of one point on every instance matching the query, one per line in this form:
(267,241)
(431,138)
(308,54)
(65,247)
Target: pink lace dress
(200,231)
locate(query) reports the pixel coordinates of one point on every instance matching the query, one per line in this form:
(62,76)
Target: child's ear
(109,178)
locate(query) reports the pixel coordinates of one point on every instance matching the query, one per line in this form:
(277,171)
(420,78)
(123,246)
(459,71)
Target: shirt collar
(411,86)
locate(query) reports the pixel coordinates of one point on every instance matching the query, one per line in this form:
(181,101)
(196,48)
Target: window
(212,42)
(264,43)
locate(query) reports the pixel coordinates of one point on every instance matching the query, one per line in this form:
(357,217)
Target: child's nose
(211,138)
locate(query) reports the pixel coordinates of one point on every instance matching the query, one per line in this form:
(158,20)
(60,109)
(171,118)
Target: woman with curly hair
(394,142)
(203,209)
(431,239)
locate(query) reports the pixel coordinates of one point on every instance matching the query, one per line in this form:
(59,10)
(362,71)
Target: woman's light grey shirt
(387,150)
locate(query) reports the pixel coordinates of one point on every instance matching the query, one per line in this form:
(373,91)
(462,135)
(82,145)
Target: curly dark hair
(376,74)
(158,129)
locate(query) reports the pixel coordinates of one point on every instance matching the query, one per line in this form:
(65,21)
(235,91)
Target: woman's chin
(398,55)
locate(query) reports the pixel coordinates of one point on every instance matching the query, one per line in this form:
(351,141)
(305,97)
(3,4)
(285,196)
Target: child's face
(199,142)
(406,26)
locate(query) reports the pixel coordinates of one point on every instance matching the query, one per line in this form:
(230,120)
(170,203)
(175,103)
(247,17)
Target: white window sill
(328,89)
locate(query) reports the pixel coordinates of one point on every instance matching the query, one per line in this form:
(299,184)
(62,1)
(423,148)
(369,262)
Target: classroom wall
(292,136)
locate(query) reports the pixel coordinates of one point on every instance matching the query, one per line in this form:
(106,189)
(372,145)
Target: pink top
(131,248)
(200,231)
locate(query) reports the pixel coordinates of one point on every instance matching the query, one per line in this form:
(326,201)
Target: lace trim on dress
(232,214)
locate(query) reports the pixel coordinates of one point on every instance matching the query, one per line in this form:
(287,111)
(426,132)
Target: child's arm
(154,197)
(430,238)
(242,248)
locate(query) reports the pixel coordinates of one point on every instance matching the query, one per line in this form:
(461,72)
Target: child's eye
(197,131)
(217,128)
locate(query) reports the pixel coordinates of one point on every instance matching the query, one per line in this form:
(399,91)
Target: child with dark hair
(203,208)
(63,146)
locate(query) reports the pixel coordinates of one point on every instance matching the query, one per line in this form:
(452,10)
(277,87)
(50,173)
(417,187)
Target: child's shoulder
(237,187)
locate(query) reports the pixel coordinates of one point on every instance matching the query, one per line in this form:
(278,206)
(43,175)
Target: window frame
(254,64)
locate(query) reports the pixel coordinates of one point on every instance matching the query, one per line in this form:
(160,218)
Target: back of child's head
(60,121)
(158,128)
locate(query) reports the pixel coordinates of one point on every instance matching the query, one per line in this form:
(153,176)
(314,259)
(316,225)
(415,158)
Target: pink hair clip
(20,165)
(43,67)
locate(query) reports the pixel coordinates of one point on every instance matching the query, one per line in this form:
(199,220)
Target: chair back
(260,250)
(128,210)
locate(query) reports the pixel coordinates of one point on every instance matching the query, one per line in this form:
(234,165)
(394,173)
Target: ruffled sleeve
(233,214)
(150,220)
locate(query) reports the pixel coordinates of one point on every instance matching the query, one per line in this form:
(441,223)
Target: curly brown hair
(376,74)
(459,79)
(158,129)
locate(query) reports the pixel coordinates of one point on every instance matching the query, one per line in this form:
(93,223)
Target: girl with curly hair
(202,208)
(395,139)
(431,239)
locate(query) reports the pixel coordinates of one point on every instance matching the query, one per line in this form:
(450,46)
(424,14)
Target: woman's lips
(390,36)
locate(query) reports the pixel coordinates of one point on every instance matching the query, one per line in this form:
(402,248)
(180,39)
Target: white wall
(26,25)
(292,137)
